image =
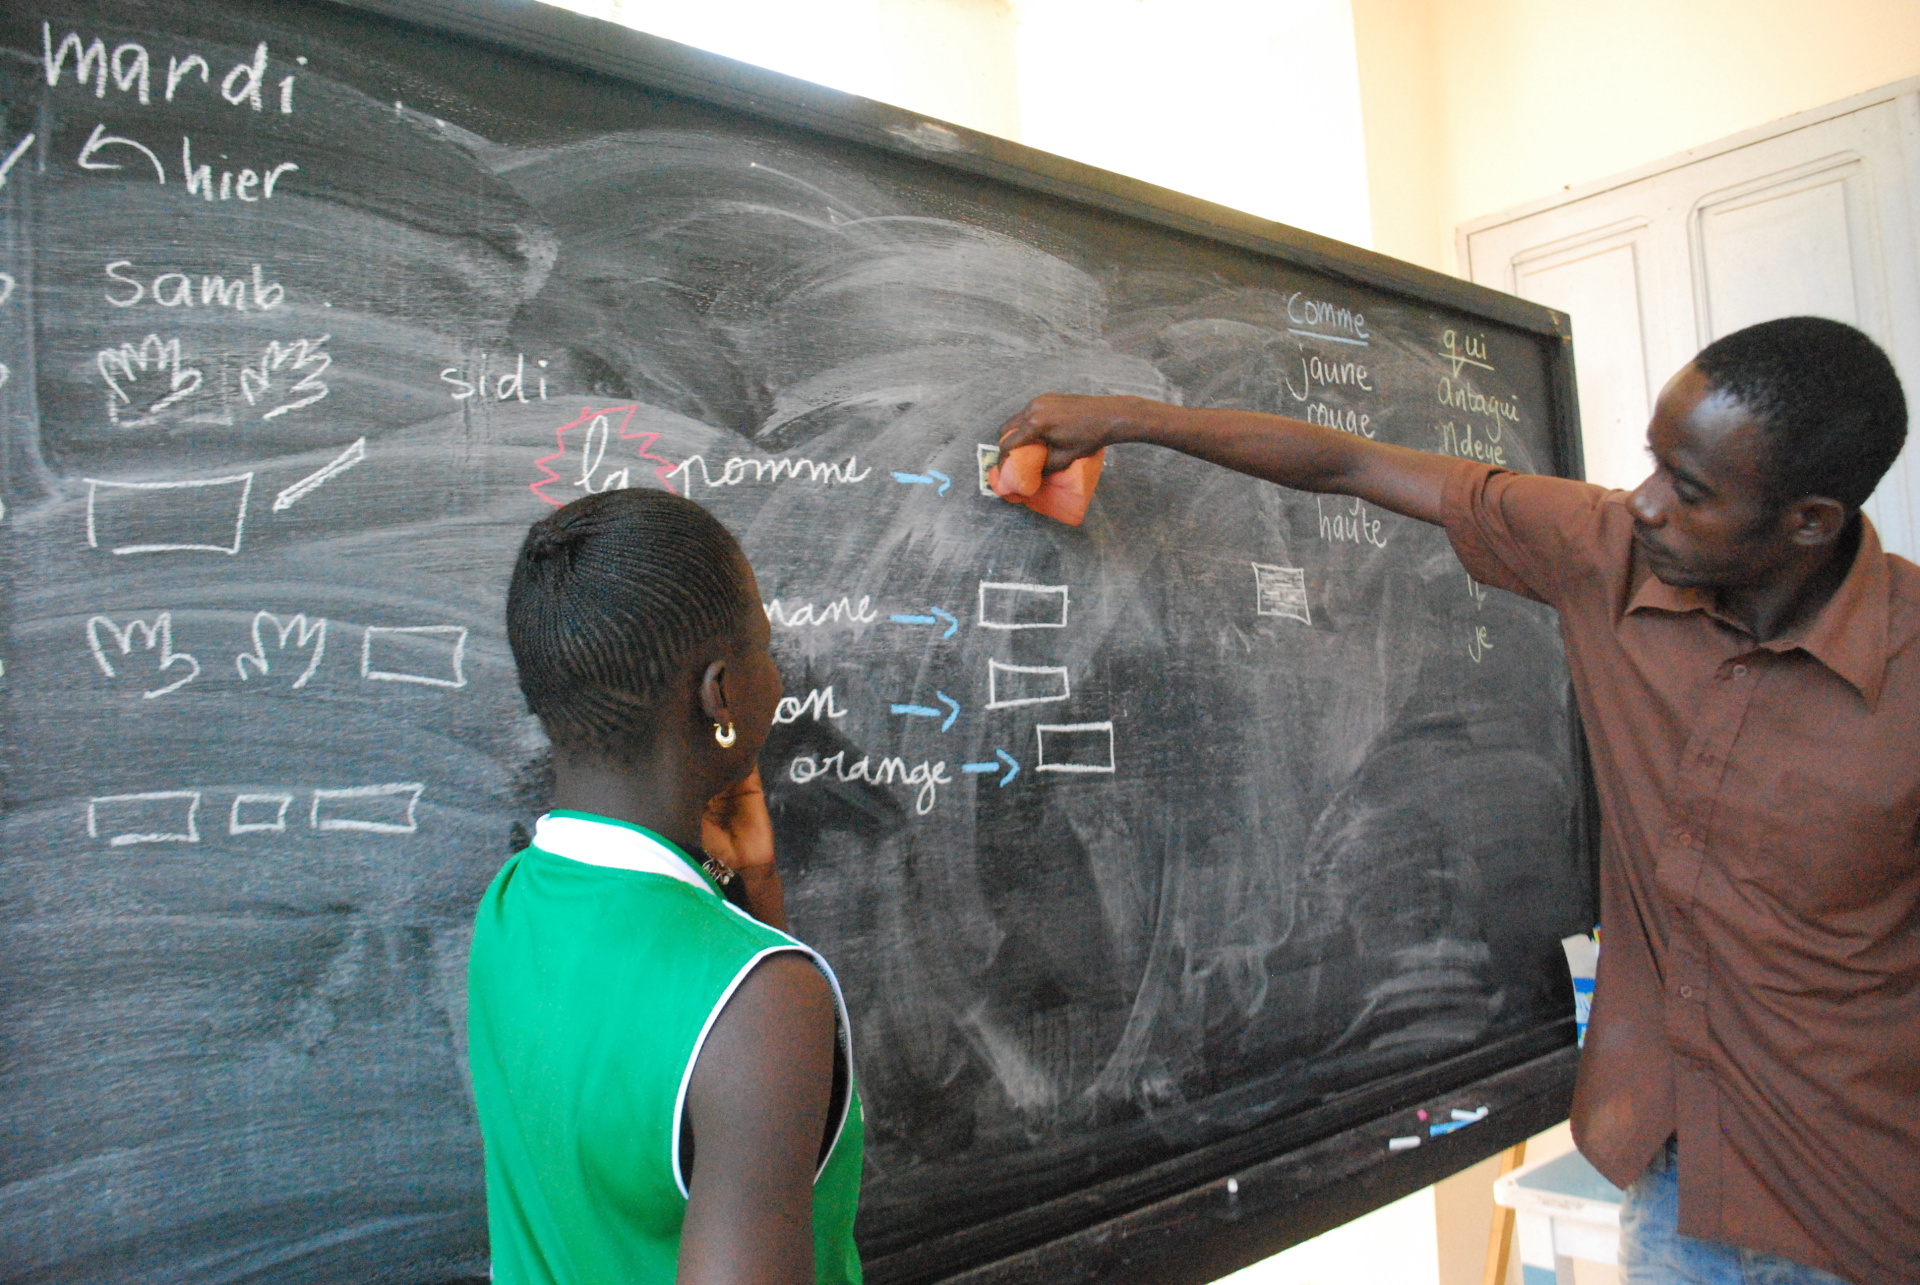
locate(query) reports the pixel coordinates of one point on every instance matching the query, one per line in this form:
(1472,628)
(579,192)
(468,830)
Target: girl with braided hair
(664,1081)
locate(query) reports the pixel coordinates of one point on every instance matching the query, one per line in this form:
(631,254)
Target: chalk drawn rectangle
(1005,605)
(158,816)
(259,813)
(1011,685)
(431,655)
(1074,747)
(1281,591)
(368,809)
(203,515)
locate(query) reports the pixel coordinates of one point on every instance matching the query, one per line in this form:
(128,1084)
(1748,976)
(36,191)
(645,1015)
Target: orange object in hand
(1062,496)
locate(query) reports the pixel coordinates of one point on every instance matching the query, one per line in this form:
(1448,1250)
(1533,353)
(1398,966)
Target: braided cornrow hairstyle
(609,596)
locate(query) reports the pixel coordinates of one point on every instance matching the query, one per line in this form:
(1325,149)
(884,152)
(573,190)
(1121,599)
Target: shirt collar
(1848,635)
(618,845)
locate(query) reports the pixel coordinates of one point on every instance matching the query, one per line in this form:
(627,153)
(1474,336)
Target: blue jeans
(1653,1252)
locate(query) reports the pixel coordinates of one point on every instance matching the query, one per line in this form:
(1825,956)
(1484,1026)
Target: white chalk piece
(1402,1144)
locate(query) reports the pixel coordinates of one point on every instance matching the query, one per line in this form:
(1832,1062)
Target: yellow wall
(1522,98)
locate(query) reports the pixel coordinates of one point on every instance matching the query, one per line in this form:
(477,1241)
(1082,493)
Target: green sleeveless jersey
(601,957)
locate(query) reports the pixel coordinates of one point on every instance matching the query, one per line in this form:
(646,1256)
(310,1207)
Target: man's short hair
(1825,398)
(610,595)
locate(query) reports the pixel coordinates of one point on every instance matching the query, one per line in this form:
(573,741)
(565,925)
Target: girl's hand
(737,832)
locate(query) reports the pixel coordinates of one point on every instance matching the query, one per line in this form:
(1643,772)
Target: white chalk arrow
(313,481)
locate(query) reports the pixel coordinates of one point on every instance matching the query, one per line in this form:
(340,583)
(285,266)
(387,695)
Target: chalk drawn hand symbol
(155,636)
(123,368)
(299,629)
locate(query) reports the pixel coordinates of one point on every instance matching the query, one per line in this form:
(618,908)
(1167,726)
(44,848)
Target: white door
(1814,214)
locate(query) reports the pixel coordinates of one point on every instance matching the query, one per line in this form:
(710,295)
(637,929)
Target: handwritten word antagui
(175,289)
(1349,523)
(925,775)
(833,613)
(740,469)
(1461,441)
(1460,395)
(130,68)
(499,386)
(1323,316)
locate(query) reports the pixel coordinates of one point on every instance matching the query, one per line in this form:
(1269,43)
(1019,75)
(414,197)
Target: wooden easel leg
(1500,1234)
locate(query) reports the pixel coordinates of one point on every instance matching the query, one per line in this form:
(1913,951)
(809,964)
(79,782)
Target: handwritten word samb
(927,776)
(130,68)
(175,289)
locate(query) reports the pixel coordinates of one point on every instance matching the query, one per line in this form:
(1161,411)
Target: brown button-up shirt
(1759,987)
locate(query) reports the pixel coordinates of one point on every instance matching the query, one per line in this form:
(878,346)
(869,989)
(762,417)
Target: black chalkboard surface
(1224,832)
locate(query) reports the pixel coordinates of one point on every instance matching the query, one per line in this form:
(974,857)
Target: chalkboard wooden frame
(1205,1214)
(1210,1211)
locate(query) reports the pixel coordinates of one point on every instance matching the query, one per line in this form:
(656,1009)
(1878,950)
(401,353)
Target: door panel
(1815,215)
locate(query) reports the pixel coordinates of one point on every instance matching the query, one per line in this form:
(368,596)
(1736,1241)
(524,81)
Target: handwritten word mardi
(1462,442)
(1463,396)
(233,185)
(832,613)
(740,469)
(175,289)
(819,702)
(1350,524)
(1346,419)
(927,776)
(130,69)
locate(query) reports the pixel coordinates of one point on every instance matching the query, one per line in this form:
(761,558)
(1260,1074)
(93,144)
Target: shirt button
(1739,671)
(1686,992)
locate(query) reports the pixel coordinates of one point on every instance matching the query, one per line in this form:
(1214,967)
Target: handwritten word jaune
(174,289)
(927,776)
(131,70)
(1327,373)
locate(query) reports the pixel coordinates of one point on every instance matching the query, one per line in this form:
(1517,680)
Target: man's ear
(1816,520)
(713,693)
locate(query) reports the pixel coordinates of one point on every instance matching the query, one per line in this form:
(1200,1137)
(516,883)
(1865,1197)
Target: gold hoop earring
(726,738)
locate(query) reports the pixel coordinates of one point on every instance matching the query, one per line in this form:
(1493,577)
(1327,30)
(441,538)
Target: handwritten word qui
(933,617)
(927,711)
(1464,350)
(1000,758)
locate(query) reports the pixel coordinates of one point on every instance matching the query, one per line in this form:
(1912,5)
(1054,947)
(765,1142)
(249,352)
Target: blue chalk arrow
(1013,767)
(928,478)
(927,711)
(953,622)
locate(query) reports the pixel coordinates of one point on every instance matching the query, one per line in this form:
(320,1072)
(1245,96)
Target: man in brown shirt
(1747,662)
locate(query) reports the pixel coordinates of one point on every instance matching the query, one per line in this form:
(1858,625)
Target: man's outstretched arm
(1290,452)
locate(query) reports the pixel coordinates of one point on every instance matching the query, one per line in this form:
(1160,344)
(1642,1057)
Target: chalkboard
(1232,824)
